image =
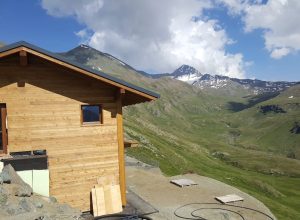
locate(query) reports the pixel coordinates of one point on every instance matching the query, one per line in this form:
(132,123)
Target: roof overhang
(140,94)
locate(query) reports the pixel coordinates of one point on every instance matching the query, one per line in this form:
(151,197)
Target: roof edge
(78,65)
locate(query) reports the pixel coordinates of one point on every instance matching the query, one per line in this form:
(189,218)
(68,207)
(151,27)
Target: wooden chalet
(70,113)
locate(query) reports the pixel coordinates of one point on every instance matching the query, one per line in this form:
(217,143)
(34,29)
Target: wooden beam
(121,153)
(23,58)
(122,91)
(21,83)
(129,143)
(10,52)
(4,131)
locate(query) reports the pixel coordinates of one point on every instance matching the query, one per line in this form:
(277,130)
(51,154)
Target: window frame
(93,123)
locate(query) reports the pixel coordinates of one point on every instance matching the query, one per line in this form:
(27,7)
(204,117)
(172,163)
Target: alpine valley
(240,131)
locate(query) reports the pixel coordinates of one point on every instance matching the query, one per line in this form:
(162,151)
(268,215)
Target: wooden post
(121,152)
(4,132)
(23,58)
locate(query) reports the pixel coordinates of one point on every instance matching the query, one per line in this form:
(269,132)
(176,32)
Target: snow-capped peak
(192,76)
(187,74)
(84,46)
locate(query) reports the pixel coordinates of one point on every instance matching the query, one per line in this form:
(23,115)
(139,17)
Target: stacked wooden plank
(106,197)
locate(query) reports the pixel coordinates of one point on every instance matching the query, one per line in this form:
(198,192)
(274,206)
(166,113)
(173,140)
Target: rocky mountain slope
(192,76)
(103,62)
(236,137)
(184,73)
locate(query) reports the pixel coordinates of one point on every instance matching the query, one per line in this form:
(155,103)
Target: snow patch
(84,46)
(189,78)
(96,68)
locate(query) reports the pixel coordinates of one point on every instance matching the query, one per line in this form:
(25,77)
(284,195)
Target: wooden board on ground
(229,198)
(106,199)
(116,198)
(94,202)
(98,201)
(183,182)
(113,201)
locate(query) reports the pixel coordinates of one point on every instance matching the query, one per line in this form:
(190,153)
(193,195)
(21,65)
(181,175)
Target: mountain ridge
(194,77)
(75,54)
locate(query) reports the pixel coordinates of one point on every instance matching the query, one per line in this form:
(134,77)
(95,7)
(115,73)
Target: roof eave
(122,84)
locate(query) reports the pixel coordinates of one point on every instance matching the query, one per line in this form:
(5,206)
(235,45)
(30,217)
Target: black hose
(198,217)
(124,217)
(228,210)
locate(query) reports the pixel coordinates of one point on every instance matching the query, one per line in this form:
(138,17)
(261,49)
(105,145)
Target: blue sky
(28,21)
(44,25)
(253,48)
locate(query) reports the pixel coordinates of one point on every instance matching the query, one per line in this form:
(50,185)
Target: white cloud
(157,35)
(235,7)
(279,20)
(84,35)
(281,52)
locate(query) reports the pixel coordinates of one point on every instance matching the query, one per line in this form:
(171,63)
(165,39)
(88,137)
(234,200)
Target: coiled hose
(124,217)
(195,213)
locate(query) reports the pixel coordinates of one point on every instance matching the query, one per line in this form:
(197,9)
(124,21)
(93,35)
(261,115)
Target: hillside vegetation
(250,142)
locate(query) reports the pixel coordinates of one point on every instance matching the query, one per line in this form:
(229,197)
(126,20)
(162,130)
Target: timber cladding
(43,103)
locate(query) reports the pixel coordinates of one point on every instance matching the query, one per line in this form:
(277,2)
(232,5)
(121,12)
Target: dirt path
(150,184)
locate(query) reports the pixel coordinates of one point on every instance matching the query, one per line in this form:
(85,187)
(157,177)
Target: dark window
(91,114)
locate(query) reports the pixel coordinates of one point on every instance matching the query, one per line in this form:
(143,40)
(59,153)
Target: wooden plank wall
(45,114)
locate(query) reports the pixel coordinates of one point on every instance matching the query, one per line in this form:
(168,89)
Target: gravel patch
(152,186)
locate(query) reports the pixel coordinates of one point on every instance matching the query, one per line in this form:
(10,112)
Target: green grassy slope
(183,140)
(271,131)
(189,130)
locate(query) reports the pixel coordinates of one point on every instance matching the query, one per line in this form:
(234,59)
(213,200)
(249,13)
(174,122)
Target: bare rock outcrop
(18,202)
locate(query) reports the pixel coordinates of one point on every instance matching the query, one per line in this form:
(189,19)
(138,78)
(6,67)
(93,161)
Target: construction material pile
(106,197)
(18,202)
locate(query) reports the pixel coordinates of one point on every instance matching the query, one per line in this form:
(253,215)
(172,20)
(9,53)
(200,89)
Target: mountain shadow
(271,108)
(296,128)
(252,101)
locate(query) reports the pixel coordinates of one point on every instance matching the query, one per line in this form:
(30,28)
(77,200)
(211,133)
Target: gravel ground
(148,183)
(151,185)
